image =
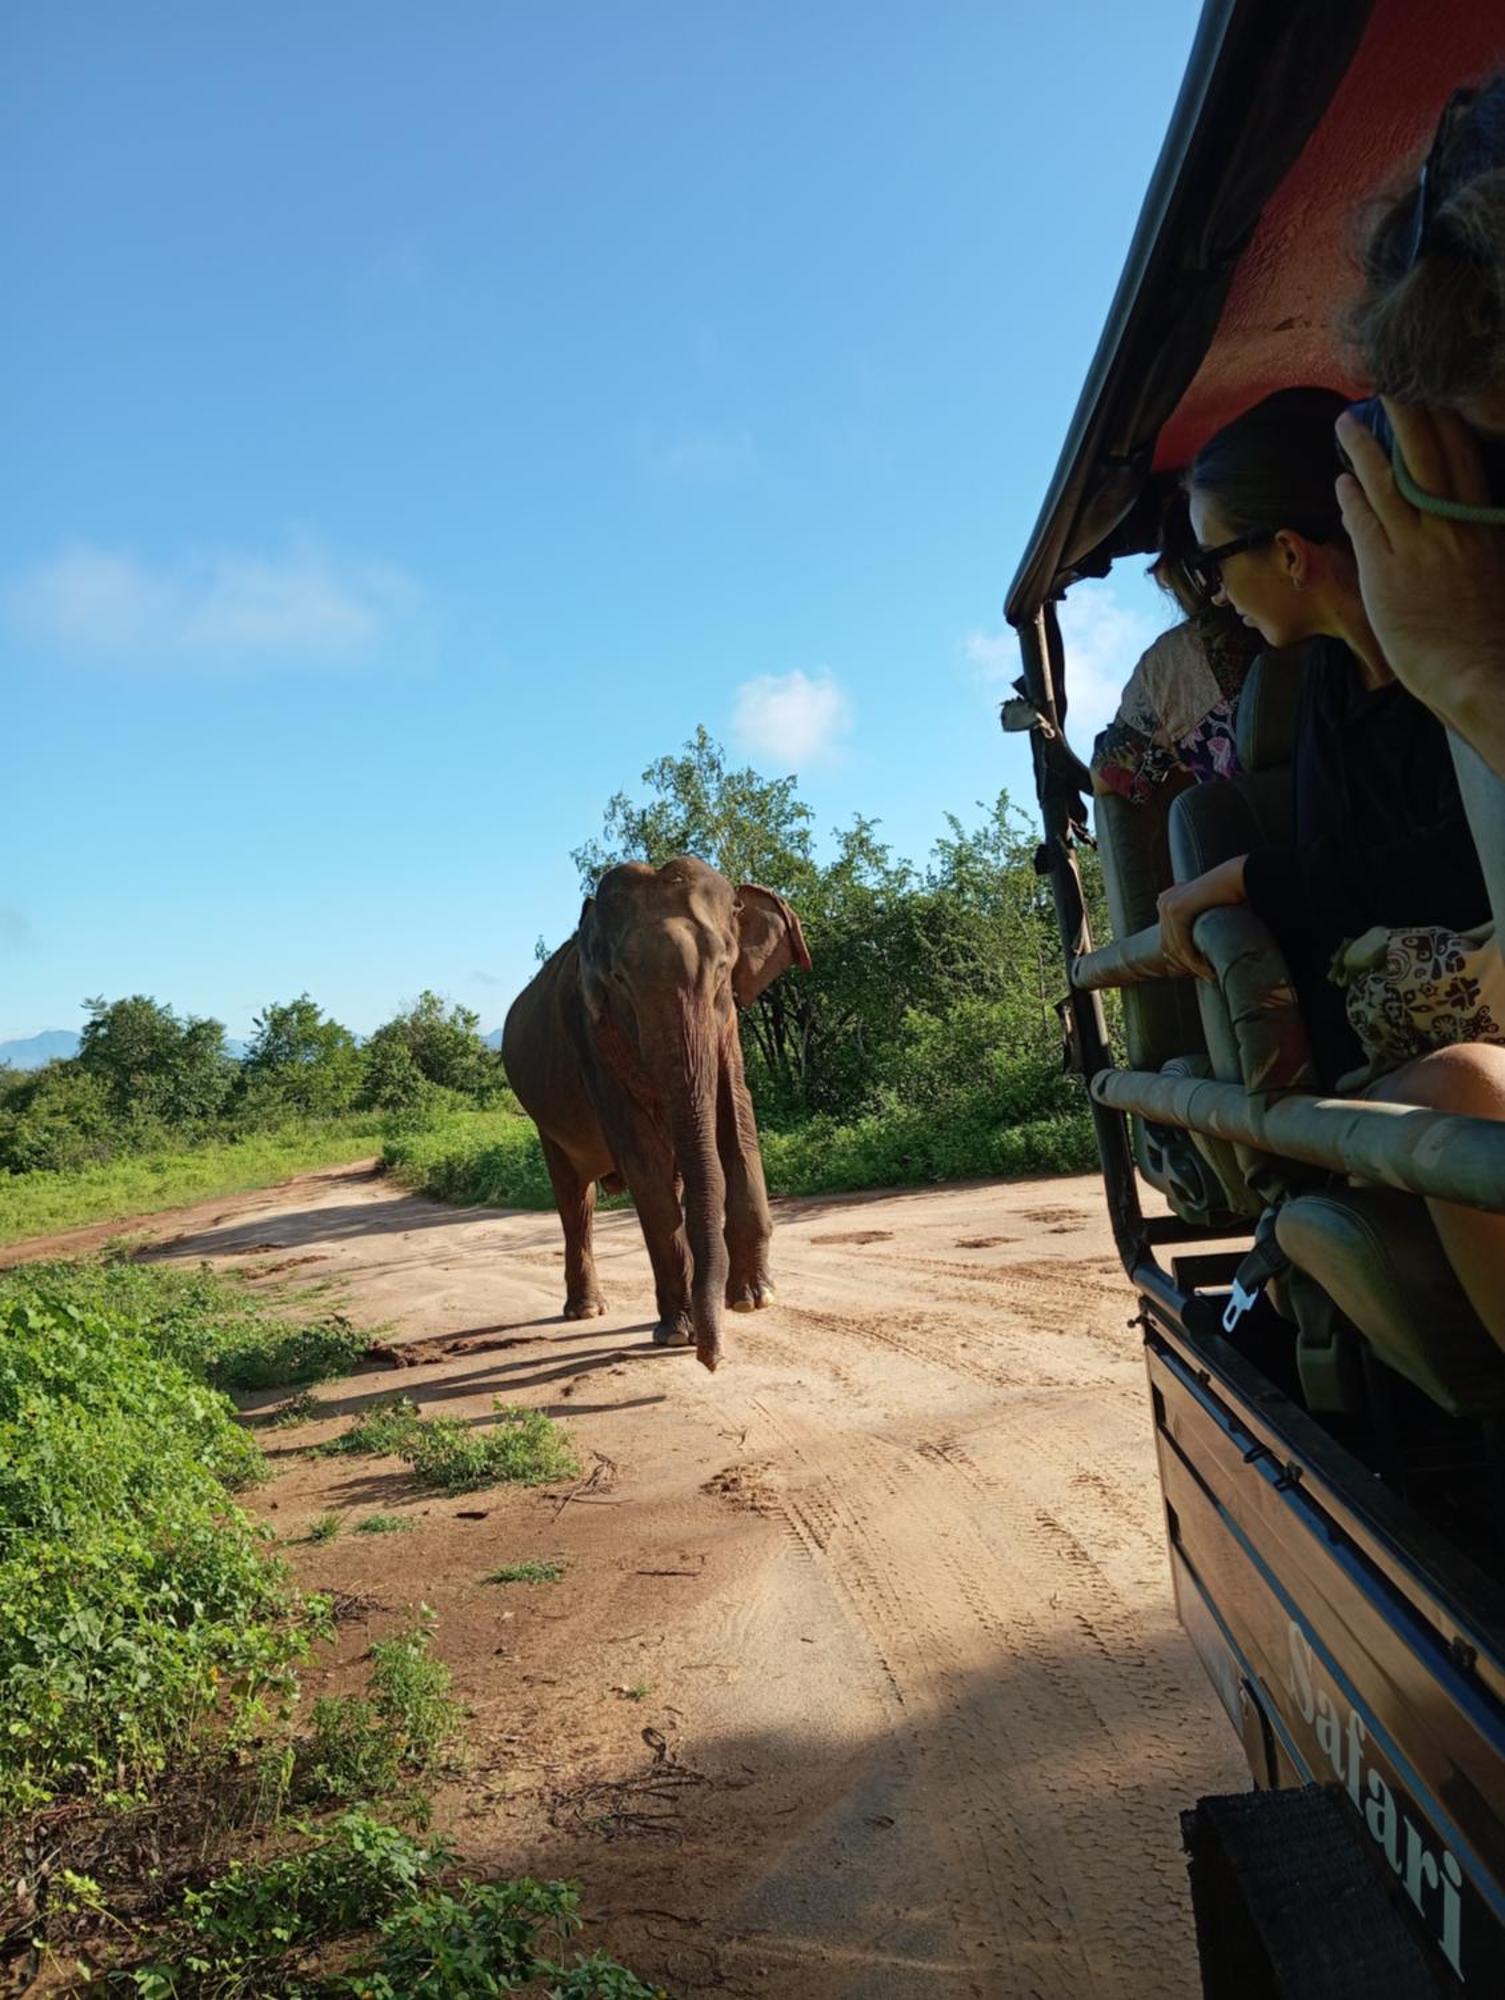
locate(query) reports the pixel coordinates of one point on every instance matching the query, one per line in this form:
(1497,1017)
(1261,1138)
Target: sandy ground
(863,1678)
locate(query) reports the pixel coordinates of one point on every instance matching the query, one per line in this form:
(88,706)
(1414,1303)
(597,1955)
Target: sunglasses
(1205,566)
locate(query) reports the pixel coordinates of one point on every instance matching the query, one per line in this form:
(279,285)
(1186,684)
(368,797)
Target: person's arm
(1434,589)
(1180,906)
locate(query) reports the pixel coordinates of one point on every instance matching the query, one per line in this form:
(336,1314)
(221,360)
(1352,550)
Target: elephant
(625,1053)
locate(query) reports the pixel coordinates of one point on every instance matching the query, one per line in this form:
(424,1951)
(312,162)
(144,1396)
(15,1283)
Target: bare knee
(1468,1079)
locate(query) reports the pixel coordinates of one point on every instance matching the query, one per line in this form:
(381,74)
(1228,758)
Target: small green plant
(362,1746)
(300,1409)
(539,1570)
(639,1691)
(383,1431)
(484,1939)
(325,1528)
(386,1524)
(525,1447)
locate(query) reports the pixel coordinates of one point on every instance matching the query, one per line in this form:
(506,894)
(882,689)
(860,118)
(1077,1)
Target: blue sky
(420,418)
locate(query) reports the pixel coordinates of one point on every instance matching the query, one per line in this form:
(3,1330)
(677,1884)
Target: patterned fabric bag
(1411,991)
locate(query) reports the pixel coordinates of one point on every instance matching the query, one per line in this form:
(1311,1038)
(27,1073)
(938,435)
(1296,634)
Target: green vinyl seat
(1375,1253)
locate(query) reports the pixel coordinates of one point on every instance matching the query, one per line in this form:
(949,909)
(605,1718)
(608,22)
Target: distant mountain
(36,1051)
(494,1039)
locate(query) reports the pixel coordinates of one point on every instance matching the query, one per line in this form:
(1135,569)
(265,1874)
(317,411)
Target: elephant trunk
(692,1118)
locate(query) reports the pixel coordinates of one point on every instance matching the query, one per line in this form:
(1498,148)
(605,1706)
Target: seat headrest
(1265,728)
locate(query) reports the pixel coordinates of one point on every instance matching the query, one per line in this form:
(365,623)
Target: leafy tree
(443,1047)
(155,1068)
(300,1062)
(754,829)
(891,943)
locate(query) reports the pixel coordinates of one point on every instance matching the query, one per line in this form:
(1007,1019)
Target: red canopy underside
(1277,326)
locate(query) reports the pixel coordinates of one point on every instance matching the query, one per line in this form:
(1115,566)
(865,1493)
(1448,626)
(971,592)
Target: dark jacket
(1381,838)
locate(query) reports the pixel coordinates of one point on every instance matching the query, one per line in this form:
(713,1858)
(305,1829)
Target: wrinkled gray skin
(624,1051)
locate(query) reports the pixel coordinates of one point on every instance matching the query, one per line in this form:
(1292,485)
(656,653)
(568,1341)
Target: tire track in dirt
(1015,1877)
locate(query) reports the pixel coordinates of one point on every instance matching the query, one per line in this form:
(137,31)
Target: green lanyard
(1431,503)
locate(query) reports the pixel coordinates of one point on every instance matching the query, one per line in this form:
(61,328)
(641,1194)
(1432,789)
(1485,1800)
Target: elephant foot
(676,1332)
(751,1296)
(590,1307)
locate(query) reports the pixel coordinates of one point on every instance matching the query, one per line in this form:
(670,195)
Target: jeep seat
(1376,1255)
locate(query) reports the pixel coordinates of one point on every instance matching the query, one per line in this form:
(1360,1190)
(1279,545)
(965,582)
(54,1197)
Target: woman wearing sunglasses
(1380,837)
(1425,517)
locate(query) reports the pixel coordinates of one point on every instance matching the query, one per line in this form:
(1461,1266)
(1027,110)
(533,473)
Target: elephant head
(667,955)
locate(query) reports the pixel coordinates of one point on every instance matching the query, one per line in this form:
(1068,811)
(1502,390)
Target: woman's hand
(1434,589)
(1181,905)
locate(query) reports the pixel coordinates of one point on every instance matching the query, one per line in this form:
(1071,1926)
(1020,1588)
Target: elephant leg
(749,1226)
(650,1175)
(576,1202)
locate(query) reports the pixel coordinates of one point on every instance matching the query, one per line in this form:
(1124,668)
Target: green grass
(325,1528)
(384,1430)
(386,1524)
(37,1204)
(213,1325)
(488,1157)
(537,1571)
(523,1447)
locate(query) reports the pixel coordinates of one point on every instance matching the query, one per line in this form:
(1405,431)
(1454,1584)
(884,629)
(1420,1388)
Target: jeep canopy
(1292,115)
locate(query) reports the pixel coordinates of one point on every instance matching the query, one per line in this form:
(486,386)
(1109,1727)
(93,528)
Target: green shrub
(386,1524)
(215,1327)
(362,1746)
(994,1116)
(486,1939)
(54,1120)
(241,1935)
(253,1930)
(138,1610)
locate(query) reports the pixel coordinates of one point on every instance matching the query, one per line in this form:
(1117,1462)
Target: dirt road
(862,1678)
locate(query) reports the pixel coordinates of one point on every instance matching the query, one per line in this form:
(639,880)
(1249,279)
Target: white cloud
(697,457)
(225,605)
(1102,636)
(797,718)
(995,655)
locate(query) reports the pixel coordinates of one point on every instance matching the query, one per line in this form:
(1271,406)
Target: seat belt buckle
(1243,1299)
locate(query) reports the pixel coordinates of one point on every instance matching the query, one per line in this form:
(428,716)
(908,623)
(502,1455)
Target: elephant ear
(592,973)
(770,942)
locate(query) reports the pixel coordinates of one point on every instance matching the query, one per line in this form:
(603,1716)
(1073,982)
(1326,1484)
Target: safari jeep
(1328,1421)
